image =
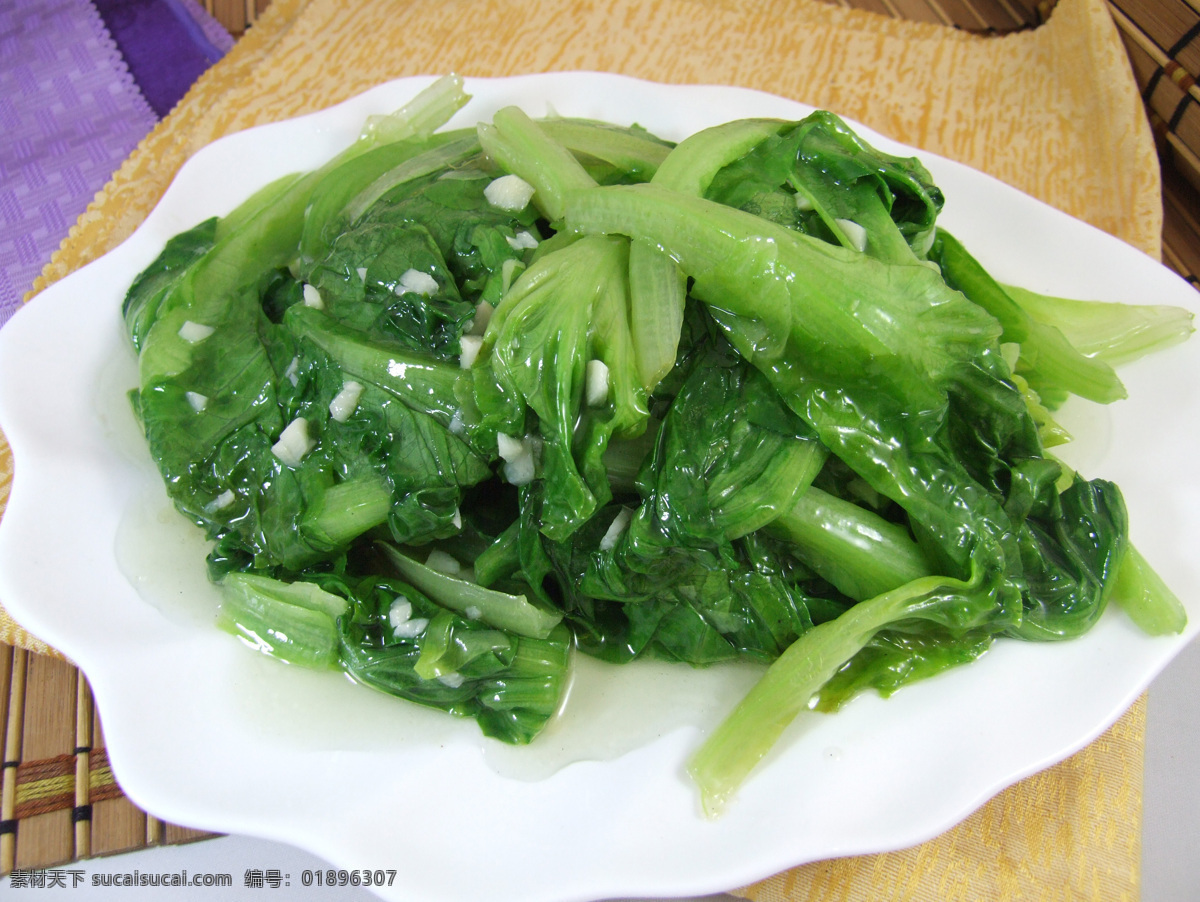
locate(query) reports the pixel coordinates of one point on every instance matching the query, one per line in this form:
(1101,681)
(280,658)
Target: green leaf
(499,609)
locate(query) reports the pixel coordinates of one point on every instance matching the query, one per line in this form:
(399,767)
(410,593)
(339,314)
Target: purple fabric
(220,39)
(70,113)
(162,45)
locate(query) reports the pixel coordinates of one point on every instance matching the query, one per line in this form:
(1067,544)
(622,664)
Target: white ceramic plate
(204,733)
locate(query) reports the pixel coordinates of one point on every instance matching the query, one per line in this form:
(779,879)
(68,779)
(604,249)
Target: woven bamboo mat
(59,800)
(235,15)
(1163,41)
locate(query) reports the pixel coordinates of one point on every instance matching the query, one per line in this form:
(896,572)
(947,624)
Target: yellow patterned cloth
(1053,111)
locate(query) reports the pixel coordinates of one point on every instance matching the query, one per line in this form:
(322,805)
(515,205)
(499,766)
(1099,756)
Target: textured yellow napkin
(1053,111)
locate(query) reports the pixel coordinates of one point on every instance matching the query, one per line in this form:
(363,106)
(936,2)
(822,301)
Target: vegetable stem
(519,144)
(1115,333)
(858,551)
(1047,359)
(349,509)
(295,622)
(498,609)
(733,750)
(1141,593)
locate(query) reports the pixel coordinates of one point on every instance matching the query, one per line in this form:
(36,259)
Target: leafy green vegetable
(566,311)
(507,612)
(821,178)
(1050,363)
(683,577)
(1147,600)
(385,633)
(459,401)
(295,622)
(1114,333)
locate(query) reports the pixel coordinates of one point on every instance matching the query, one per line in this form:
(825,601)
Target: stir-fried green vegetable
(457,403)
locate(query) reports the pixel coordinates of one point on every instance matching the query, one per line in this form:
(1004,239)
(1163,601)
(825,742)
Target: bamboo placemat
(236,15)
(59,801)
(1181,224)
(1162,38)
